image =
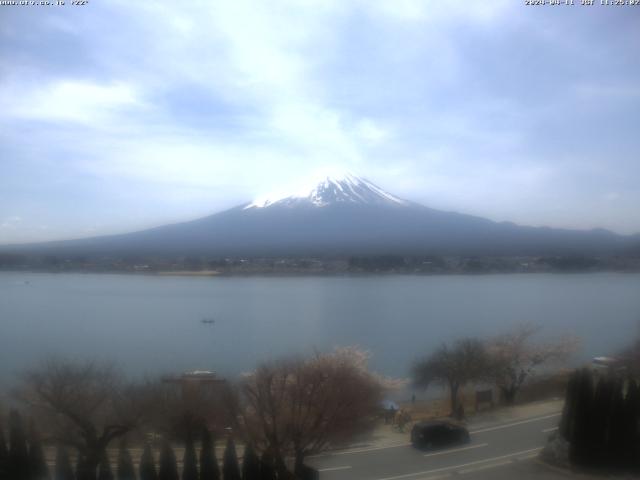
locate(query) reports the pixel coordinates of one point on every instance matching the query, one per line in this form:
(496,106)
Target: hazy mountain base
(344,224)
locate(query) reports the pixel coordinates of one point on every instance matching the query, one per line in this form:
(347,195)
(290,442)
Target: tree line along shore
(378,264)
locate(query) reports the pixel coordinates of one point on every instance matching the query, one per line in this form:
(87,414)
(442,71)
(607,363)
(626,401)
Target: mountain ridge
(341,216)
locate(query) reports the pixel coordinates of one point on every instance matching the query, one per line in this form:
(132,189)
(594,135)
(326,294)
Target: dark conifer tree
(209,469)
(168,465)
(104,468)
(81,467)
(568,413)
(37,463)
(617,427)
(250,464)
(3,445)
(126,470)
(148,465)
(63,469)
(601,419)
(189,460)
(4,453)
(267,466)
(581,439)
(18,457)
(632,401)
(230,467)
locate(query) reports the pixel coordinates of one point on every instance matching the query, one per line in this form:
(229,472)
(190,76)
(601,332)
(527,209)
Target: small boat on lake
(208,321)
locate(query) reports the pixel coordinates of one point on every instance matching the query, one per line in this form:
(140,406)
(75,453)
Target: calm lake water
(149,324)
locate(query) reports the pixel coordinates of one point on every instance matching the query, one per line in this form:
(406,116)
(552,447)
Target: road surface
(491,448)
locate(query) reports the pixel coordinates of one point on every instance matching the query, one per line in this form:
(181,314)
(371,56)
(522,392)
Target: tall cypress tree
(63,469)
(617,427)
(567,421)
(148,465)
(632,401)
(250,464)
(230,467)
(18,457)
(126,470)
(168,464)
(37,463)
(600,419)
(267,466)
(81,467)
(104,468)
(581,439)
(209,469)
(189,461)
(4,453)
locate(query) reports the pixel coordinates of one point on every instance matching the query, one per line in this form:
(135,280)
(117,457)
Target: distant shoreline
(372,264)
(184,273)
(277,274)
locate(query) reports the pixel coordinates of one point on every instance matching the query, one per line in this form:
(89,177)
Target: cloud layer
(122,115)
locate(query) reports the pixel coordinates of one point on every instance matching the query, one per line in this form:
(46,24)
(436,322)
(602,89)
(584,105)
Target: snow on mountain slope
(344,189)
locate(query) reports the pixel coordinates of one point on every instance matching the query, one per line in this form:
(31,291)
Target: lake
(151,324)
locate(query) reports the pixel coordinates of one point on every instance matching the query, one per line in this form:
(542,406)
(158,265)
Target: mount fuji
(346,189)
(341,216)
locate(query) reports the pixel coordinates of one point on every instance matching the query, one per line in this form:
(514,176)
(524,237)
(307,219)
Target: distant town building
(195,381)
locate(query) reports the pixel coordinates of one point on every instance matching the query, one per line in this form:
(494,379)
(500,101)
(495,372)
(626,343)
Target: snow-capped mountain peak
(331,190)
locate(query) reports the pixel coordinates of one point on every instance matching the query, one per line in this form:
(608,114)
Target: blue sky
(121,115)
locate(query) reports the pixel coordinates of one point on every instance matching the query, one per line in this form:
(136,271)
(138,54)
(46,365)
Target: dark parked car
(438,433)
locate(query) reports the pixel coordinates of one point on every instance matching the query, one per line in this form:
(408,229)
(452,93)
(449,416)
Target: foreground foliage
(601,421)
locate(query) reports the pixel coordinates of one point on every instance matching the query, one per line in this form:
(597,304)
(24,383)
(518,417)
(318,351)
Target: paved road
(493,447)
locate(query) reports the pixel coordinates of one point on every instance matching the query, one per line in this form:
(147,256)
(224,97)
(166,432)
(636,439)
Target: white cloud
(68,101)
(193,103)
(438,11)
(371,131)
(11,222)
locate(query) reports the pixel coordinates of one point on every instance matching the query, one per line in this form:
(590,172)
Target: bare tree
(455,366)
(84,405)
(514,357)
(177,415)
(303,406)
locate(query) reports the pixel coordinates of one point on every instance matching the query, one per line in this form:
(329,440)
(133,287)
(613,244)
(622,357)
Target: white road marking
(360,450)
(437,477)
(484,467)
(528,457)
(333,469)
(456,450)
(522,422)
(455,467)
(547,430)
